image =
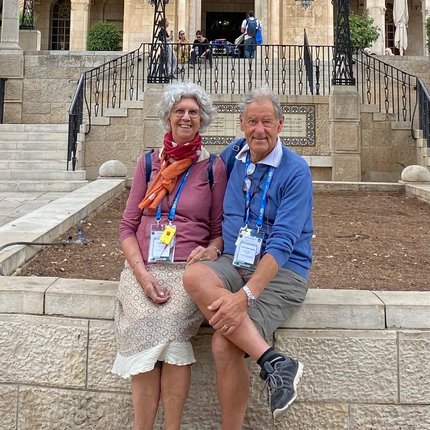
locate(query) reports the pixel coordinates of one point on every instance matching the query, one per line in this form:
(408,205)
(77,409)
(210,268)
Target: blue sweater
(288,215)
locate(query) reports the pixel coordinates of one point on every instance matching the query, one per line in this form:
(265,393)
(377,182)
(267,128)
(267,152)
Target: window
(60,28)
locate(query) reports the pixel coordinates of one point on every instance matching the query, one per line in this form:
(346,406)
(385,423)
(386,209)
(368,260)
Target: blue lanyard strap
(172,210)
(263,200)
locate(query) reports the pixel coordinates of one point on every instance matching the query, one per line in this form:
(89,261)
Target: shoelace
(272,381)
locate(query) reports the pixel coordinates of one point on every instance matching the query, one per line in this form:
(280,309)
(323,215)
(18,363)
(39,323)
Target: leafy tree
(363,32)
(103,36)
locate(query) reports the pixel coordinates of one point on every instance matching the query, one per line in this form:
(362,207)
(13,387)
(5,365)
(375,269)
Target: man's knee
(223,351)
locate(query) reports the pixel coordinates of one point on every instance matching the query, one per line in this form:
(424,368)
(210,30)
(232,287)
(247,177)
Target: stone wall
(365,355)
(127,132)
(47,85)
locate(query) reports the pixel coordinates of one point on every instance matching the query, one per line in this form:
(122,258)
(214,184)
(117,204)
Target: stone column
(425,14)
(10,25)
(181,14)
(345,135)
(195,13)
(11,62)
(272,31)
(376,10)
(79,19)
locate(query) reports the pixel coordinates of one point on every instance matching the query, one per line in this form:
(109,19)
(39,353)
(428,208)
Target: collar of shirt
(272,159)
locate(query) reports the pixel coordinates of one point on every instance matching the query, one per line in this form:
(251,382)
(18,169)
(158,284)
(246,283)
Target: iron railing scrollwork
(382,84)
(283,68)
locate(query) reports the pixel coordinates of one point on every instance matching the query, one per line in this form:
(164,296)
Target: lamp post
(157,72)
(342,71)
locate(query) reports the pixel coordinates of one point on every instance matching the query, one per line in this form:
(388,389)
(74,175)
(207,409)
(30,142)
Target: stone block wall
(365,355)
(48,85)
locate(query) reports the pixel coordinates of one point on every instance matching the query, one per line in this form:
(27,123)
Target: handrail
(2,97)
(423,110)
(386,86)
(75,121)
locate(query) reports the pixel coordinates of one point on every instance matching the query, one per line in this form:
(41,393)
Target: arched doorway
(60,26)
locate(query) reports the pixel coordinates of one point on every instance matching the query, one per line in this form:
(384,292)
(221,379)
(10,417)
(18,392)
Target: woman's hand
(200,254)
(151,288)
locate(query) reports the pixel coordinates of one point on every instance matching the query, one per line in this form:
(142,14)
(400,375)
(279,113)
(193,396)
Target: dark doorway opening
(224,25)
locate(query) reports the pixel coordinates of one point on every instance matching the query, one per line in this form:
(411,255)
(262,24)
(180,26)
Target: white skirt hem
(175,353)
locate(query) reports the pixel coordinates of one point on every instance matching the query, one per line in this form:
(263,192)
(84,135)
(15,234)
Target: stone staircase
(33,158)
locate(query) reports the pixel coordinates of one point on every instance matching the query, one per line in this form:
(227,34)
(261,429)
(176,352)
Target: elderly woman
(170,222)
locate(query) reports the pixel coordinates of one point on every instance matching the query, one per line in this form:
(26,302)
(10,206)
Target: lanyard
(172,210)
(263,197)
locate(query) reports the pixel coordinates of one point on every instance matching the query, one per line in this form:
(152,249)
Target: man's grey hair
(258,95)
(178,90)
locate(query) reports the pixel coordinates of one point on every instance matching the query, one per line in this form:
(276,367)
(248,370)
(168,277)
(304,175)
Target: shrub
(103,36)
(363,32)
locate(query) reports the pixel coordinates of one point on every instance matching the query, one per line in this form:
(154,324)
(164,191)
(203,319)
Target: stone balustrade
(366,357)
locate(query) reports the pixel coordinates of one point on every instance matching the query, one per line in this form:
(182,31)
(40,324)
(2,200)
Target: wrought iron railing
(2,97)
(381,84)
(423,110)
(286,69)
(76,111)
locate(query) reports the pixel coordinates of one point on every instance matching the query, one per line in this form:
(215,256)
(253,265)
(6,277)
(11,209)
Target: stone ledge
(345,309)
(322,309)
(406,309)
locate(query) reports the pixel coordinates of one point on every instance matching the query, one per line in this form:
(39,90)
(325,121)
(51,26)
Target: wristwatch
(249,296)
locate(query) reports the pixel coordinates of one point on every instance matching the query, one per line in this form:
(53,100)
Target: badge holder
(162,244)
(248,248)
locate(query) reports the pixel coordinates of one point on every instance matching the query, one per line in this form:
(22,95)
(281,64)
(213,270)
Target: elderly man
(261,277)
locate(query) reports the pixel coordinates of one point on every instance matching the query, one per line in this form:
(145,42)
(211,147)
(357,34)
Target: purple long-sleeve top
(198,214)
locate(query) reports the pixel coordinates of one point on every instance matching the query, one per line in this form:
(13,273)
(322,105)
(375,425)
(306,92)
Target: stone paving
(15,205)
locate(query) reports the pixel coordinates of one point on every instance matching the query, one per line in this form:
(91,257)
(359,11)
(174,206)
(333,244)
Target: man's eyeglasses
(179,113)
(247,181)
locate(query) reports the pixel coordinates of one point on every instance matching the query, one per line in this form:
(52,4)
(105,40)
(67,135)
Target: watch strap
(249,295)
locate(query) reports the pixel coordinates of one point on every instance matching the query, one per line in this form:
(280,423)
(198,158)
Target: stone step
(15,145)
(54,154)
(43,175)
(33,165)
(41,136)
(40,186)
(60,128)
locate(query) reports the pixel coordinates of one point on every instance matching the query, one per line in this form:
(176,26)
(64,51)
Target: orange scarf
(164,182)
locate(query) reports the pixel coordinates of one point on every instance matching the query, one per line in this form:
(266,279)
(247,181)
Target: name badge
(162,244)
(248,248)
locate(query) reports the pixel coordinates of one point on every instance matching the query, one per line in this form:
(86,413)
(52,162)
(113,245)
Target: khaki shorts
(278,301)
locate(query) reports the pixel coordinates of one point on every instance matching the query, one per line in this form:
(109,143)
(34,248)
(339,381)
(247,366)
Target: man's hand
(230,310)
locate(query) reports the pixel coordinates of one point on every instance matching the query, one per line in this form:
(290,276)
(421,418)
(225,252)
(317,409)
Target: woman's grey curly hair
(178,90)
(260,94)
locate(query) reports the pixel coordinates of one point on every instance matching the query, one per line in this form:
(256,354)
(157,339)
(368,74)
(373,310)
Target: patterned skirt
(147,332)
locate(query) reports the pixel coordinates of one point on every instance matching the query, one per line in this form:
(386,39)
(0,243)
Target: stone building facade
(64,24)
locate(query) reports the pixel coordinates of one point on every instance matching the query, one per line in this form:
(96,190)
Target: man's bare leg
(205,287)
(233,385)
